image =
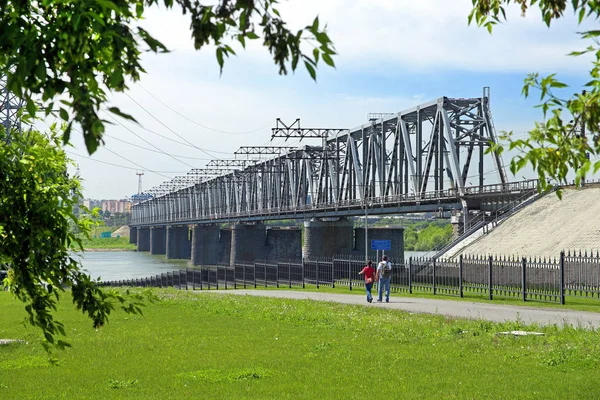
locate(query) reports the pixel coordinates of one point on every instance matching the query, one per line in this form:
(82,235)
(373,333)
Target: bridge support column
(133,234)
(158,240)
(224,246)
(143,239)
(284,244)
(247,242)
(394,235)
(205,241)
(327,238)
(179,245)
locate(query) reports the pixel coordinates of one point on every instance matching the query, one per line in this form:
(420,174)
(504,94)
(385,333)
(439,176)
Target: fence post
(225,268)
(201,275)
(332,273)
(434,288)
(317,273)
(265,269)
(290,273)
(524,277)
(244,272)
(350,273)
(277,275)
(562,277)
(410,275)
(234,277)
(217,276)
(254,274)
(302,272)
(208,278)
(460,275)
(490,279)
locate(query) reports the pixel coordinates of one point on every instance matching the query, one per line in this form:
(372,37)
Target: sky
(392,55)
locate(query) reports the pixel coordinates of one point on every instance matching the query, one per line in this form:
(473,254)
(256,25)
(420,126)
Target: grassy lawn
(108,243)
(199,345)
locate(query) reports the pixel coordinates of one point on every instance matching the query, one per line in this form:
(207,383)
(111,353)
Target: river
(115,265)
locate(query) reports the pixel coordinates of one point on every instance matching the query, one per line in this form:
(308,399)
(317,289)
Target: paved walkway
(461,309)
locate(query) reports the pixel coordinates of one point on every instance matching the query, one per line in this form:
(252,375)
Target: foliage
(429,237)
(71,53)
(37,200)
(559,144)
(277,348)
(121,243)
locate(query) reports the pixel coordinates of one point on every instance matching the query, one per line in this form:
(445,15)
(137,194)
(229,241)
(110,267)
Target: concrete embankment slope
(546,227)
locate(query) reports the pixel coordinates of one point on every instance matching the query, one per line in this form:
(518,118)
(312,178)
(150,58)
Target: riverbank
(102,250)
(108,244)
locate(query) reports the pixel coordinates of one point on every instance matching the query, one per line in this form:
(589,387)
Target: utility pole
(140,174)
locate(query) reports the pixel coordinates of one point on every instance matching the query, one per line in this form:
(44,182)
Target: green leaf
(328,60)
(316,54)
(64,115)
(117,111)
(251,35)
(311,70)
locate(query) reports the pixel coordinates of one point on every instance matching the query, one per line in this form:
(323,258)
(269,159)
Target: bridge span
(423,159)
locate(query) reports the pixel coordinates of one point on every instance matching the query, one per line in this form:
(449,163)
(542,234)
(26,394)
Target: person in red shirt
(369,273)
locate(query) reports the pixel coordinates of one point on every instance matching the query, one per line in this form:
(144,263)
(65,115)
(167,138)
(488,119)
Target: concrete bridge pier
(394,235)
(158,240)
(179,245)
(143,239)
(133,234)
(284,244)
(248,242)
(224,246)
(326,238)
(205,243)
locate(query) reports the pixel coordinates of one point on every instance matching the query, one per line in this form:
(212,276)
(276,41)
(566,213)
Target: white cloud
(414,35)
(373,37)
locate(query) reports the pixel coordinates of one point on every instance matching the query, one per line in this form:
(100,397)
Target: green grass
(108,243)
(202,345)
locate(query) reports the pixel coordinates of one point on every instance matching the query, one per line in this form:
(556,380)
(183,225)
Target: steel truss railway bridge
(418,160)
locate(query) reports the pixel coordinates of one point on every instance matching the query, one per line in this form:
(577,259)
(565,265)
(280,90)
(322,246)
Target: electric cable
(171,130)
(198,123)
(159,149)
(161,173)
(152,150)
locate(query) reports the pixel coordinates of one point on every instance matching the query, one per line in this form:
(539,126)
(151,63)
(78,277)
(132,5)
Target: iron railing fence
(571,274)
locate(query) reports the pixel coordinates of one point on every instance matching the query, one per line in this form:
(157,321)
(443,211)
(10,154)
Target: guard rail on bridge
(430,201)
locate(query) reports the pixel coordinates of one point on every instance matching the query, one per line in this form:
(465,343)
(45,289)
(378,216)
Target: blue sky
(393,54)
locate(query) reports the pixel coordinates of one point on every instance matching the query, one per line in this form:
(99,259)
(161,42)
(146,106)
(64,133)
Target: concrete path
(460,309)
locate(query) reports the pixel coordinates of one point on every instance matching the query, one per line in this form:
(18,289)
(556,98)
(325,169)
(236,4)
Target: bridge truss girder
(434,147)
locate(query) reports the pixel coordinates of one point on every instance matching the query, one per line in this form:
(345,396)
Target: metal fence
(530,279)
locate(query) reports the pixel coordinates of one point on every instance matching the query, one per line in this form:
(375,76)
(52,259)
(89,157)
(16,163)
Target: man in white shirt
(383,277)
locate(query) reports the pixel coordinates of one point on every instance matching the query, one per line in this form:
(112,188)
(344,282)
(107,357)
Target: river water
(115,265)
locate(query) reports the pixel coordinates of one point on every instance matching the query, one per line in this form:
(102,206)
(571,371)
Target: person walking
(369,274)
(383,278)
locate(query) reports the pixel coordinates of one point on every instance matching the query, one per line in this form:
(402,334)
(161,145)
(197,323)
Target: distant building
(112,206)
(116,206)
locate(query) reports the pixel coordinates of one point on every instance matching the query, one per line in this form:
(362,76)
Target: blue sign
(381,244)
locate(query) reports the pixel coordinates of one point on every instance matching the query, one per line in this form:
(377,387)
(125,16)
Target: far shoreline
(99,250)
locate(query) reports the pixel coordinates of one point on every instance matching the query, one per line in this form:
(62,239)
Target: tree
(37,234)
(69,54)
(567,137)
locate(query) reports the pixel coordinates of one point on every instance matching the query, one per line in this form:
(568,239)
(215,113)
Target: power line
(198,123)
(171,130)
(125,167)
(157,148)
(152,150)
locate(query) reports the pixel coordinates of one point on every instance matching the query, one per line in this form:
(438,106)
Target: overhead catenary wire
(202,125)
